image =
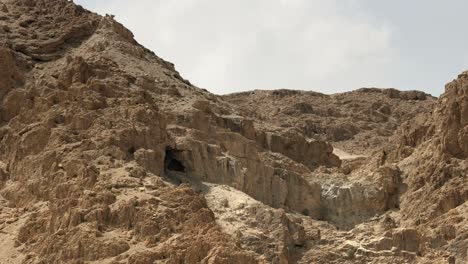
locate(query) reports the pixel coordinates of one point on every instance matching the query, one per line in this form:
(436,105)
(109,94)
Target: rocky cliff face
(436,170)
(108,155)
(358,122)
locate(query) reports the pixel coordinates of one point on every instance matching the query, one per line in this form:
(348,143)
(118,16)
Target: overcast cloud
(322,45)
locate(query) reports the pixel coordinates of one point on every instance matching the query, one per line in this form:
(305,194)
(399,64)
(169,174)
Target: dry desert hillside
(108,155)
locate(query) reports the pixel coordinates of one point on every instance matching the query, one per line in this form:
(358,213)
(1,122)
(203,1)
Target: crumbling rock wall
(430,151)
(358,122)
(106,152)
(238,162)
(453,114)
(81,147)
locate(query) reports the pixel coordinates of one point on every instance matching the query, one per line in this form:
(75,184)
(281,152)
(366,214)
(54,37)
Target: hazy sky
(322,45)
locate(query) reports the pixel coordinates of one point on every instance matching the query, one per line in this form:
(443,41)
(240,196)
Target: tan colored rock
(108,155)
(453,117)
(75,71)
(4,8)
(357,122)
(10,75)
(3,173)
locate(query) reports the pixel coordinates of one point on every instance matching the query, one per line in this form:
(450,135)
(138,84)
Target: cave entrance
(174,168)
(172,161)
(175,165)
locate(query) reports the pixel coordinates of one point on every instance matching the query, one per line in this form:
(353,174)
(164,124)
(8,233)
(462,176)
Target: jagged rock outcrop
(453,114)
(82,147)
(108,155)
(359,121)
(430,152)
(353,203)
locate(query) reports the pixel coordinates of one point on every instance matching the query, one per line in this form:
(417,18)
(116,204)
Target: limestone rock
(10,75)
(107,155)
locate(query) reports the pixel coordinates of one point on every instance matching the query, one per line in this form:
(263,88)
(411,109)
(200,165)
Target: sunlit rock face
(108,155)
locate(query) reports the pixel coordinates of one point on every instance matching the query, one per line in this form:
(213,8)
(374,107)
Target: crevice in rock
(174,167)
(131,152)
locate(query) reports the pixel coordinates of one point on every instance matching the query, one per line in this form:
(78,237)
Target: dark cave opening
(171,161)
(131,151)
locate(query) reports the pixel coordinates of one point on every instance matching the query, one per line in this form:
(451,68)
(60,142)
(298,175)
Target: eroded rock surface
(358,122)
(108,155)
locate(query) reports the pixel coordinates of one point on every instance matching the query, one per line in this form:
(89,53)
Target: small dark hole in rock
(131,150)
(172,163)
(59,119)
(175,165)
